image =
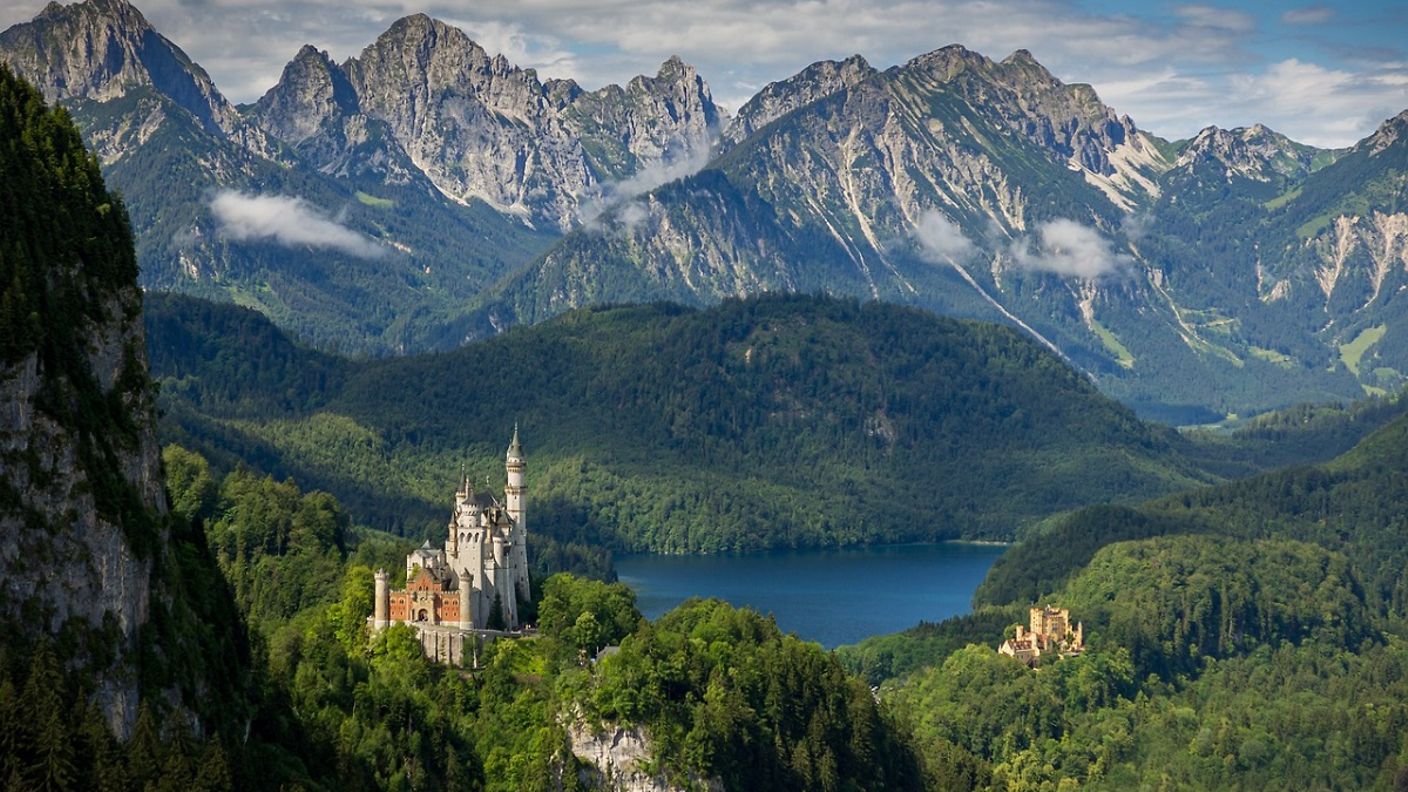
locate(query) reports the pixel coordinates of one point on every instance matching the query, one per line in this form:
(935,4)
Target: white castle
(472,587)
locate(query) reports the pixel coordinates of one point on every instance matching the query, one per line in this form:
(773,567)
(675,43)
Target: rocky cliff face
(777,99)
(617,758)
(1256,153)
(81,495)
(101,50)
(424,99)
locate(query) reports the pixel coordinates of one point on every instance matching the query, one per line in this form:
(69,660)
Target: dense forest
(1247,635)
(767,422)
(1237,636)
(246,643)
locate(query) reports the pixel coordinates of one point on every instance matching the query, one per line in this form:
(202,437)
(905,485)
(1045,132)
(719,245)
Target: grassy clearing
(1282,199)
(1272,356)
(1119,350)
(372,200)
(1353,352)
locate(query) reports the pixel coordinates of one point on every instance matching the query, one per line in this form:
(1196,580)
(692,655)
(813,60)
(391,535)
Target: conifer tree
(214,774)
(51,763)
(102,761)
(496,619)
(144,749)
(9,717)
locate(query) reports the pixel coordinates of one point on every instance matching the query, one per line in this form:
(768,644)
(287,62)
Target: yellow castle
(1050,633)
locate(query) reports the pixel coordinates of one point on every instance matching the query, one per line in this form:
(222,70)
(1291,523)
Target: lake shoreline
(833,596)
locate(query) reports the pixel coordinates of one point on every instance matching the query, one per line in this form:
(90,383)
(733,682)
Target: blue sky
(1325,74)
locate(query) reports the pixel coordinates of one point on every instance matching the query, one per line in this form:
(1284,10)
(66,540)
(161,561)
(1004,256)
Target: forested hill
(771,421)
(1354,504)
(1236,636)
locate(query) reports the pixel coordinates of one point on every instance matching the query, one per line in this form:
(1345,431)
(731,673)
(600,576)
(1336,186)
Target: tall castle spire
(515,449)
(513,496)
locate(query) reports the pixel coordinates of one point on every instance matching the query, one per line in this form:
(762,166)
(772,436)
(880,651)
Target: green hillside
(1237,635)
(769,422)
(1353,504)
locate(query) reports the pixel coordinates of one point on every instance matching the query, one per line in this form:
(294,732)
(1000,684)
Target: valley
(455,195)
(427,423)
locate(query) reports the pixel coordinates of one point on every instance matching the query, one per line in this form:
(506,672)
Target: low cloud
(1310,15)
(624,192)
(1135,226)
(1212,17)
(941,240)
(287,221)
(1065,247)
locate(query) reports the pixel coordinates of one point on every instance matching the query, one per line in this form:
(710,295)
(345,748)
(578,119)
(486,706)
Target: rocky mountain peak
(311,90)
(1256,152)
(675,68)
(1388,133)
(102,49)
(817,81)
(484,129)
(1019,95)
(1023,66)
(947,62)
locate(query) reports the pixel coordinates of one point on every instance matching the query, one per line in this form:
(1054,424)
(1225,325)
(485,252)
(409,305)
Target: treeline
(768,422)
(1353,505)
(52,740)
(1210,663)
(1236,636)
(339,708)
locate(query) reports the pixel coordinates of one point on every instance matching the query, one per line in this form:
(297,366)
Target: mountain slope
(1223,275)
(770,422)
(975,188)
(98,578)
(332,205)
(1352,504)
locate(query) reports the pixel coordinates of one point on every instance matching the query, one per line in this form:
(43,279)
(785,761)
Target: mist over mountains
(425,193)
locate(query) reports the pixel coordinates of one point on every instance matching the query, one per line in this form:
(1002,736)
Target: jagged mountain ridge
(1190,308)
(169,141)
(829,194)
(830,179)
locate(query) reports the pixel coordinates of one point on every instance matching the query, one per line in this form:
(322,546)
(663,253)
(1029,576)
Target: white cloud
(1217,18)
(288,221)
(656,174)
(1310,15)
(941,240)
(632,215)
(1066,247)
(1342,103)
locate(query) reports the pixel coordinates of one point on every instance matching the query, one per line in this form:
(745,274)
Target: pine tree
(496,619)
(214,774)
(10,735)
(104,771)
(144,749)
(51,763)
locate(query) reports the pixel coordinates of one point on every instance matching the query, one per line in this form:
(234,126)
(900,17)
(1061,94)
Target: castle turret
(381,607)
(466,596)
(514,494)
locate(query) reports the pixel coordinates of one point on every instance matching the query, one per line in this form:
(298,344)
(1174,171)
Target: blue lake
(833,597)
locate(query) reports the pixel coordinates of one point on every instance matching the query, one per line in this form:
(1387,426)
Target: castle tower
(513,496)
(382,604)
(466,596)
